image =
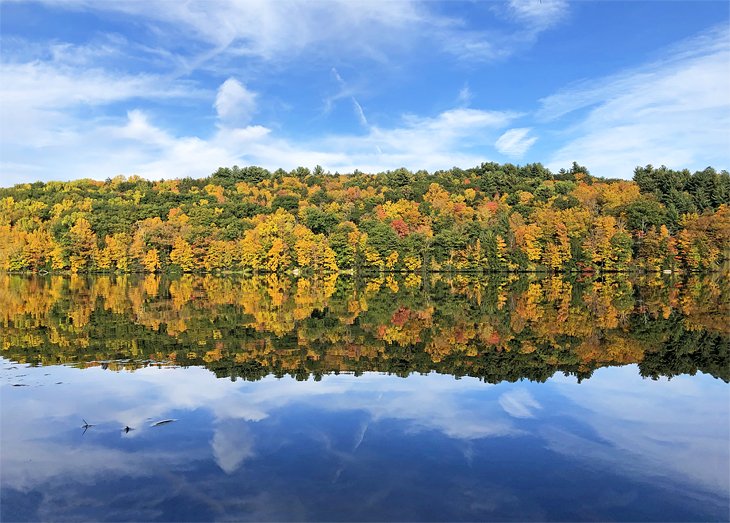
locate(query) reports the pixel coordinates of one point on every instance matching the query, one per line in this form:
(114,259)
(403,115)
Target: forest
(491,218)
(496,327)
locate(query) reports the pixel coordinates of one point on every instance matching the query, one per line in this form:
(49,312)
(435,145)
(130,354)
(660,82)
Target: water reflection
(495,329)
(374,447)
(522,434)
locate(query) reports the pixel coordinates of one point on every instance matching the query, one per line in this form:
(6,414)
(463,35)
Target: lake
(400,397)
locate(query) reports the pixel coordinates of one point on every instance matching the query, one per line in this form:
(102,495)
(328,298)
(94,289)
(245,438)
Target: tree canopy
(488,218)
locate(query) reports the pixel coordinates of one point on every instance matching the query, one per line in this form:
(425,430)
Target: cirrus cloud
(515,142)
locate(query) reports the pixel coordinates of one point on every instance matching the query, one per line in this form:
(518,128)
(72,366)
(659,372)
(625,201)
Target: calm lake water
(397,398)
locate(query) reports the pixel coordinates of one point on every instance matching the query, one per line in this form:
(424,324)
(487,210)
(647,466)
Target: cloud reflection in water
(368,447)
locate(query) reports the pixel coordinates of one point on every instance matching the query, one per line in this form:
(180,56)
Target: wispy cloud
(465,96)
(519,403)
(688,55)
(515,142)
(538,15)
(620,402)
(50,101)
(40,118)
(105,107)
(283,30)
(56,86)
(674,112)
(267,30)
(359,112)
(418,142)
(528,19)
(346,91)
(454,137)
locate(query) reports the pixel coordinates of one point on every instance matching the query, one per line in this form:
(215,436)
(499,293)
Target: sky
(165,89)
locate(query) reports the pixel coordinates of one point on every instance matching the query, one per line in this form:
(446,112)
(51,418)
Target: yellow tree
(527,238)
(557,248)
(277,258)
(219,256)
(83,246)
(117,247)
(329,258)
(304,248)
(654,248)
(216,191)
(597,244)
(412,263)
(277,242)
(705,239)
(38,248)
(151,262)
(149,233)
(103,260)
(501,249)
(58,257)
(439,199)
(182,254)
(312,251)
(12,242)
(471,257)
(250,251)
(689,255)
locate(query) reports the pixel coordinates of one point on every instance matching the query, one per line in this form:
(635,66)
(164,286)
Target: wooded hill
(488,218)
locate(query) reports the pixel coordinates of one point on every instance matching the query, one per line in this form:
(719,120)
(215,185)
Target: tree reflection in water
(495,328)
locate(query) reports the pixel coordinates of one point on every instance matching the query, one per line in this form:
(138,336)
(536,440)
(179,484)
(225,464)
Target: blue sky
(166,89)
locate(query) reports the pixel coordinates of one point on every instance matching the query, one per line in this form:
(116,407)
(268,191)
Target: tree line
(486,219)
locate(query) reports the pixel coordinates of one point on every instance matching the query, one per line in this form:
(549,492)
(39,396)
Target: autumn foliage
(496,327)
(489,218)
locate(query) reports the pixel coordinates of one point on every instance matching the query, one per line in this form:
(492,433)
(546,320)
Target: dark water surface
(439,398)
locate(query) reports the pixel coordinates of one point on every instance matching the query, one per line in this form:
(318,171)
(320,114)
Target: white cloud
(232,444)
(135,145)
(633,420)
(519,403)
(530,19)
(139,129)
(359,112)
(539,14)
(56,85)
(63,104)
(674,112)
(515,142)
(269,30)
(283,30)
(39,98)
(453,137)
(634,430)
(684,56)
(234,103)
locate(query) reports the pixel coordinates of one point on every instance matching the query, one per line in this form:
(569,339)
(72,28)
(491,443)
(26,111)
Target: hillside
(489,218)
